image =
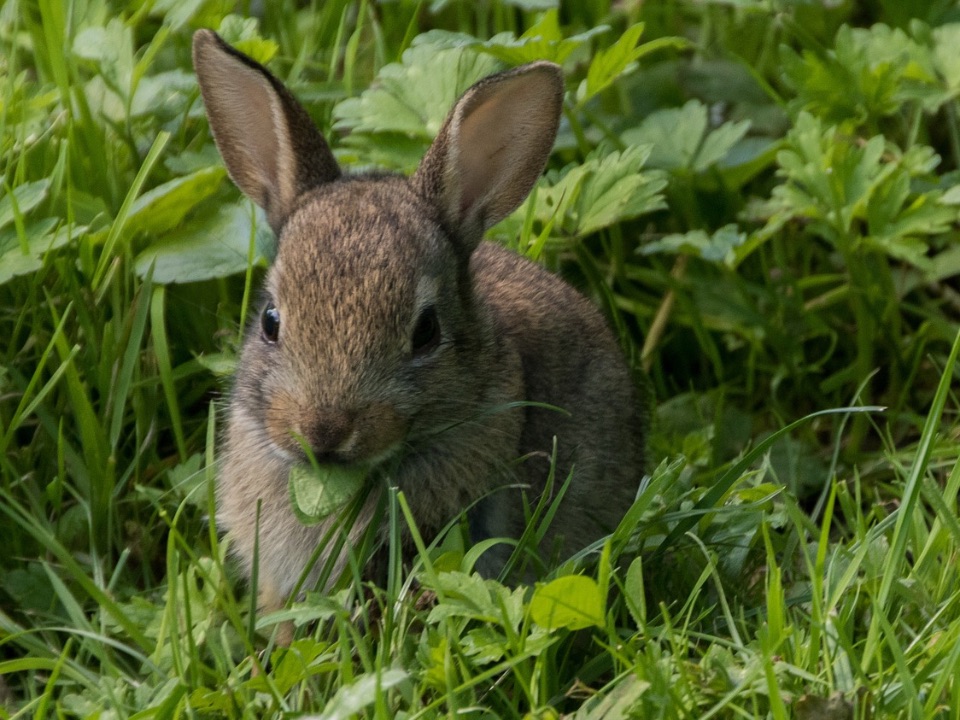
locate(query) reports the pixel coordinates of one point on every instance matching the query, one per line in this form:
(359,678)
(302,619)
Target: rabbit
(392,337)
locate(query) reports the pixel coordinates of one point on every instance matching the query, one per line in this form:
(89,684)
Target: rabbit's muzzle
(337,435)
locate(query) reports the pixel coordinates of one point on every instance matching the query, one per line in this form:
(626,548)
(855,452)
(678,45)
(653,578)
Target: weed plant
(761,195)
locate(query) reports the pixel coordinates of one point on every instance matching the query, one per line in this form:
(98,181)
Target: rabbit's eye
(426,335)
(270,324)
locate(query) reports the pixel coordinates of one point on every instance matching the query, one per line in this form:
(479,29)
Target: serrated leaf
(680,139)
(719,247)
(244,34)
(572,602)
(869,73)
(414,96)
(603,190)
(319,491)
(544,40)
(607,64)
(165,206)
(718,143)
(833,181)
(213,246)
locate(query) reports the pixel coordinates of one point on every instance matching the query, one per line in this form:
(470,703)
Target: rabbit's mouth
(365,436)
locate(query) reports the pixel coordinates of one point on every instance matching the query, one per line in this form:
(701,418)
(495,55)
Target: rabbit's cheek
(380,429)
(282,422)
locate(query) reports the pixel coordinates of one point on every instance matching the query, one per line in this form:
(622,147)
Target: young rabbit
(391,337)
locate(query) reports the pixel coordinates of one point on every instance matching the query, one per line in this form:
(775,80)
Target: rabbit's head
(369,336)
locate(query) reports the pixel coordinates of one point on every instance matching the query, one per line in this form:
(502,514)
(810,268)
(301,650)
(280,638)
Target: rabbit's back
(570,360)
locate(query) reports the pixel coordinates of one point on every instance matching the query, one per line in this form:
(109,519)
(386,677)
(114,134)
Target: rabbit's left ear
(268,142)
(491,149)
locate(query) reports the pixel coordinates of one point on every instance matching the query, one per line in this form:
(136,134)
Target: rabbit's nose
(330,432)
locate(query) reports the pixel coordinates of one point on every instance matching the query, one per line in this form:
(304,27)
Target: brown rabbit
(392,337)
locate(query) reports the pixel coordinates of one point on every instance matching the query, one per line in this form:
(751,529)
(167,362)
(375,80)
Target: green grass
(761,196)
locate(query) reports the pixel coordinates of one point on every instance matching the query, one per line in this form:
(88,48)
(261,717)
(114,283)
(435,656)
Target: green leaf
(619,701)
(946,59)
(542,41)
(25,198)
(40,238)
(680,138)
(634,590)
(414,96)
(319,491)
(607,65)
(110,48)
(572,602)
(165,206)
(869,74)
(833,181)
(603,190)
(213,246)
(719,247)
(244,34)
(361,693)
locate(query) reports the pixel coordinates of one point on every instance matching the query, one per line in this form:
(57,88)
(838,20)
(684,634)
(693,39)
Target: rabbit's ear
(269,144)
(492,148)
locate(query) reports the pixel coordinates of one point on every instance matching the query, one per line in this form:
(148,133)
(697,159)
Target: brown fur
(360,258)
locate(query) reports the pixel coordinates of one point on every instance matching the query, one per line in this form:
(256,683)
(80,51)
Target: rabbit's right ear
(270,146)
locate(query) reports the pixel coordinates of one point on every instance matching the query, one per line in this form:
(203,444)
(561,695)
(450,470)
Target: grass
(761,197)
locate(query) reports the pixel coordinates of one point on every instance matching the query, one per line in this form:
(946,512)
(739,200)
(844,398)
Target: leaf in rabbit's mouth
(318,491)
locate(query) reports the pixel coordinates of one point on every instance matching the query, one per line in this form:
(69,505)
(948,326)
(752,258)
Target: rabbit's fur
(360,370)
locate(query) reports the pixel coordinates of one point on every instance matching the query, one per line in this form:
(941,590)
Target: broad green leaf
(213,246)
(25,198)
(351,699)
(946,59)
(572,602)
(110,48)
(634,590)
(164,96)
(165,206)
(41,237)
(319,491)
(616,703)
(680,138)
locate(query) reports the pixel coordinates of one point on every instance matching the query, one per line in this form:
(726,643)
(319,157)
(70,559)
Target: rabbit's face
(355,334)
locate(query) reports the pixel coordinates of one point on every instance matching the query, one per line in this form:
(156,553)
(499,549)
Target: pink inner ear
(486,136)
(503,140)
(245,120)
